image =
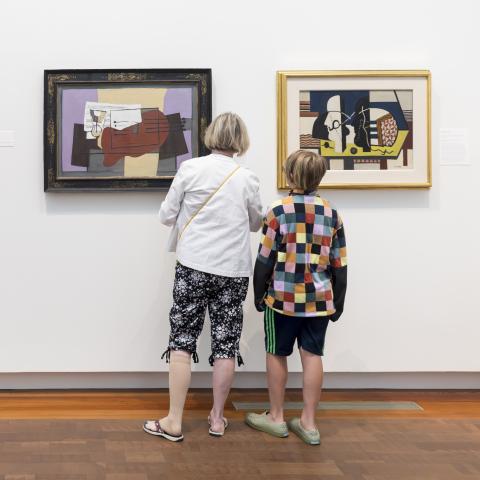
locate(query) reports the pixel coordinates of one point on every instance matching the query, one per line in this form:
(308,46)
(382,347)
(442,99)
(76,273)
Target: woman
(213,204)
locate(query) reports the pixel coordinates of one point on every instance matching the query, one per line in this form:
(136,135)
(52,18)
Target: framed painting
(120,130)
(372,127)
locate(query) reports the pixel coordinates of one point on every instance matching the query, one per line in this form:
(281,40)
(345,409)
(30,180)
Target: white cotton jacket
(217,240)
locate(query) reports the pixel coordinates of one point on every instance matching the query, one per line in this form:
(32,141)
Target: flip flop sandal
(159,432)
(213,433)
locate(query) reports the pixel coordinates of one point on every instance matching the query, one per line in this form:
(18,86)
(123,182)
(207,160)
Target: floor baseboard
(115,380)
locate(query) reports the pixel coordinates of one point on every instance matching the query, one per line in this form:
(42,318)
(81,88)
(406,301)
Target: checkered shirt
(303,239)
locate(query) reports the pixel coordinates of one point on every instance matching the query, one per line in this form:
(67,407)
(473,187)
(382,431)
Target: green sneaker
(310,437)
(264,424)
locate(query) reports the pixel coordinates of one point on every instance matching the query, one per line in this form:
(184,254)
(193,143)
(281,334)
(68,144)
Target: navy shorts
(281,332)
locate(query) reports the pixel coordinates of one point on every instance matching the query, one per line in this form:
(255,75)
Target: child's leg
(311,343)
(277,373)
(281,331)
(312,387)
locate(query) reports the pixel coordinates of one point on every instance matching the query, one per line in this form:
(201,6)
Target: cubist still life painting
(371,126)
(123,130)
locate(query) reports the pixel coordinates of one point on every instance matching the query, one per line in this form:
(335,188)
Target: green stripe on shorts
(267,333)
(270,330)
(273,332)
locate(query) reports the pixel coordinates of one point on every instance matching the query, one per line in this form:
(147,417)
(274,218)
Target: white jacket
(218,239)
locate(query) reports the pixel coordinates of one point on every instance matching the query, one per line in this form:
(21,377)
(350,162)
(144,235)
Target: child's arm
(261,278)
(266,258)
(338,264)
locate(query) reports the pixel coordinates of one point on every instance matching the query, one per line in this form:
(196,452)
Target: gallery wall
(85,280)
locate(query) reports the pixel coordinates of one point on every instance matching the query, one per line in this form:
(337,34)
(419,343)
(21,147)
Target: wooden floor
(97,435)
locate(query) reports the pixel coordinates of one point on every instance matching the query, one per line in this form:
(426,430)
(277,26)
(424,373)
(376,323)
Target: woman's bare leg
(178,383)
(223,373)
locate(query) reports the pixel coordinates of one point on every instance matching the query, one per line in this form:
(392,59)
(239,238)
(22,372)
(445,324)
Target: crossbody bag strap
(228,177)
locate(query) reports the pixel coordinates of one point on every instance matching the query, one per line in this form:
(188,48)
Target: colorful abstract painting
(373,127)
(130,129)
(358,129)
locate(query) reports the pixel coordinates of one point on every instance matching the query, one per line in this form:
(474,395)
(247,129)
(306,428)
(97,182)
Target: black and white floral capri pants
(193,292)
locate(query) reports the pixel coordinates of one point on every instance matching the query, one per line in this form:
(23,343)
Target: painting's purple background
(179,100)
(73,108)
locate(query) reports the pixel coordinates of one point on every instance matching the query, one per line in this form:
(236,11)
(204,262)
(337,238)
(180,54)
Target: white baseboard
(116,380)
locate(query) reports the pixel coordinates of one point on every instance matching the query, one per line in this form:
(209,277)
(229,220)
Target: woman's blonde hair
(305,169)
(228,133)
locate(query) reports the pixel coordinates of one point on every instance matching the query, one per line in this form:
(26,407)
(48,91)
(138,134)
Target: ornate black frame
(52,78)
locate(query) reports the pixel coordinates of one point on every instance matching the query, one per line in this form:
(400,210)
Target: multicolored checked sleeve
(338,264)
(338,248)
(266,258)
(267,252)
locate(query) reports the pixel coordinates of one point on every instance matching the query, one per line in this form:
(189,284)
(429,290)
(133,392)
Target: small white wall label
(454,146)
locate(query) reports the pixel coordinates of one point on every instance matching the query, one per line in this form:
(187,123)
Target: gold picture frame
(416,175)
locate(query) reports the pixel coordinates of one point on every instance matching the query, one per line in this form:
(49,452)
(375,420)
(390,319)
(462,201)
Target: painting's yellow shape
(377,151)
(146,97)
(143,166)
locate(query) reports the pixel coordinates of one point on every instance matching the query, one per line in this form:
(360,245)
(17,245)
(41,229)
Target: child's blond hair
(305,169)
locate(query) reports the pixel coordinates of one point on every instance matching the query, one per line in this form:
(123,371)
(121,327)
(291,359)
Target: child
(300,281)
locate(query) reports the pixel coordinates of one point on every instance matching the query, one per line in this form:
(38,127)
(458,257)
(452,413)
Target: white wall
(85,283)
